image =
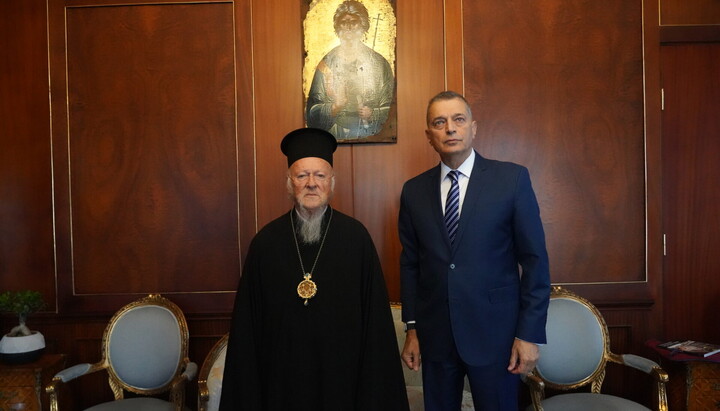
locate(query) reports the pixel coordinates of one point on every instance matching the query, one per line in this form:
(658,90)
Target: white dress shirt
(465,170)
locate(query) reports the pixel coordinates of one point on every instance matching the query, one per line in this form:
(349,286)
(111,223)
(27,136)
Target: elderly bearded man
(312,328)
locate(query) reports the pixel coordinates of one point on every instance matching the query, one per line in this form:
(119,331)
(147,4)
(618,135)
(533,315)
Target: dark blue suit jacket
(473,293)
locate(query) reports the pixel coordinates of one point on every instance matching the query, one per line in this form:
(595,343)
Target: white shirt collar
(465,168)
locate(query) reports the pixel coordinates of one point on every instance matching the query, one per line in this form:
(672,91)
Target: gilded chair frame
(537,383)
(184,371)
(203,390)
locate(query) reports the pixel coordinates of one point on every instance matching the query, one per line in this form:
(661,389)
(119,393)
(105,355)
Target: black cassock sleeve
(381,383)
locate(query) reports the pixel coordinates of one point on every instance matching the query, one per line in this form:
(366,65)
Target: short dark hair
(446,95)
(353,8)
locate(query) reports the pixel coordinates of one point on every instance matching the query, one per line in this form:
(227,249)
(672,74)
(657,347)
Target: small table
(22,386)
(698,385)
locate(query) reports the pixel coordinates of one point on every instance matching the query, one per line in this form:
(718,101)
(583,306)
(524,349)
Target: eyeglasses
(440,122)
(303,178)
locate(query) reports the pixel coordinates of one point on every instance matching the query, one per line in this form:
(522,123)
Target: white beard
(311,228)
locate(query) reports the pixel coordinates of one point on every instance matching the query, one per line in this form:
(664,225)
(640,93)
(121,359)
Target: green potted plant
(21,345)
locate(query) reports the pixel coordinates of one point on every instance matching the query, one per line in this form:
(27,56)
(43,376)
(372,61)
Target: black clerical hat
(308,142)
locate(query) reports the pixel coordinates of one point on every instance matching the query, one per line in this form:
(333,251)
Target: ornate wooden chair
(144,351)
(576,353)
(211,376)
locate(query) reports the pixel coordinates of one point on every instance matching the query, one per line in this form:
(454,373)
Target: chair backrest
(211,376)
(145,345)
(577,342)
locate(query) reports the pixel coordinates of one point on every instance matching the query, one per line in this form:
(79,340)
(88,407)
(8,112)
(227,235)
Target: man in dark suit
(475,289)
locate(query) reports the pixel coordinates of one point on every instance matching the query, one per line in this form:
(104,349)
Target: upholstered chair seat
(135,404)
(585,401)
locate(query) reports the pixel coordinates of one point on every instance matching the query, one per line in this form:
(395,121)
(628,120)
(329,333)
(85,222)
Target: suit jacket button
(452,266)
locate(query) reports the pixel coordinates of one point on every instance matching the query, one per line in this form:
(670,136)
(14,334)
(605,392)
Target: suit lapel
(472,195)
(437,213)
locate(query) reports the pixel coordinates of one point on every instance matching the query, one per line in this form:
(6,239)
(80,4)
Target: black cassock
(338,352)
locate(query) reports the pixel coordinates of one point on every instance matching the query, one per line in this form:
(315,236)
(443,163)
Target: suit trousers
(493,387)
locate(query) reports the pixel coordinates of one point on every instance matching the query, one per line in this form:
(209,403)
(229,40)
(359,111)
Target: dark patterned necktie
(452,206)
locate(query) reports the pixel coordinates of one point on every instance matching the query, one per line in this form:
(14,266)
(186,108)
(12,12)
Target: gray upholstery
(73,372)
(135,404)
(145,347)
(589,402)
(640,363)
(575,337)
(575,357)
(144,351)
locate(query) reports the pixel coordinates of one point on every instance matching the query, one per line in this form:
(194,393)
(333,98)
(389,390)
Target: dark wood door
(691,189)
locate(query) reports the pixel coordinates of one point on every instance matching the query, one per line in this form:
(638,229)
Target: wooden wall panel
(245,118)
(691,149)
(278,104)
(689,12)
(26,220)
(151,136)
(454,53)
(558,88)
(152,185)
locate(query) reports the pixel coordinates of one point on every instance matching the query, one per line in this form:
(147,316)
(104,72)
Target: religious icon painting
(349,69)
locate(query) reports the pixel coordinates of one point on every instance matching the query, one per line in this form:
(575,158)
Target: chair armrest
(177,389)
(188,374)
(639,363)
(71,373)
(652,368)
(203,394)
(646,366)
(190,371)
(534,382)
(537,389)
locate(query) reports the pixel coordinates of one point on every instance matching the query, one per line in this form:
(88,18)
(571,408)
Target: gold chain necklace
(307,287)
